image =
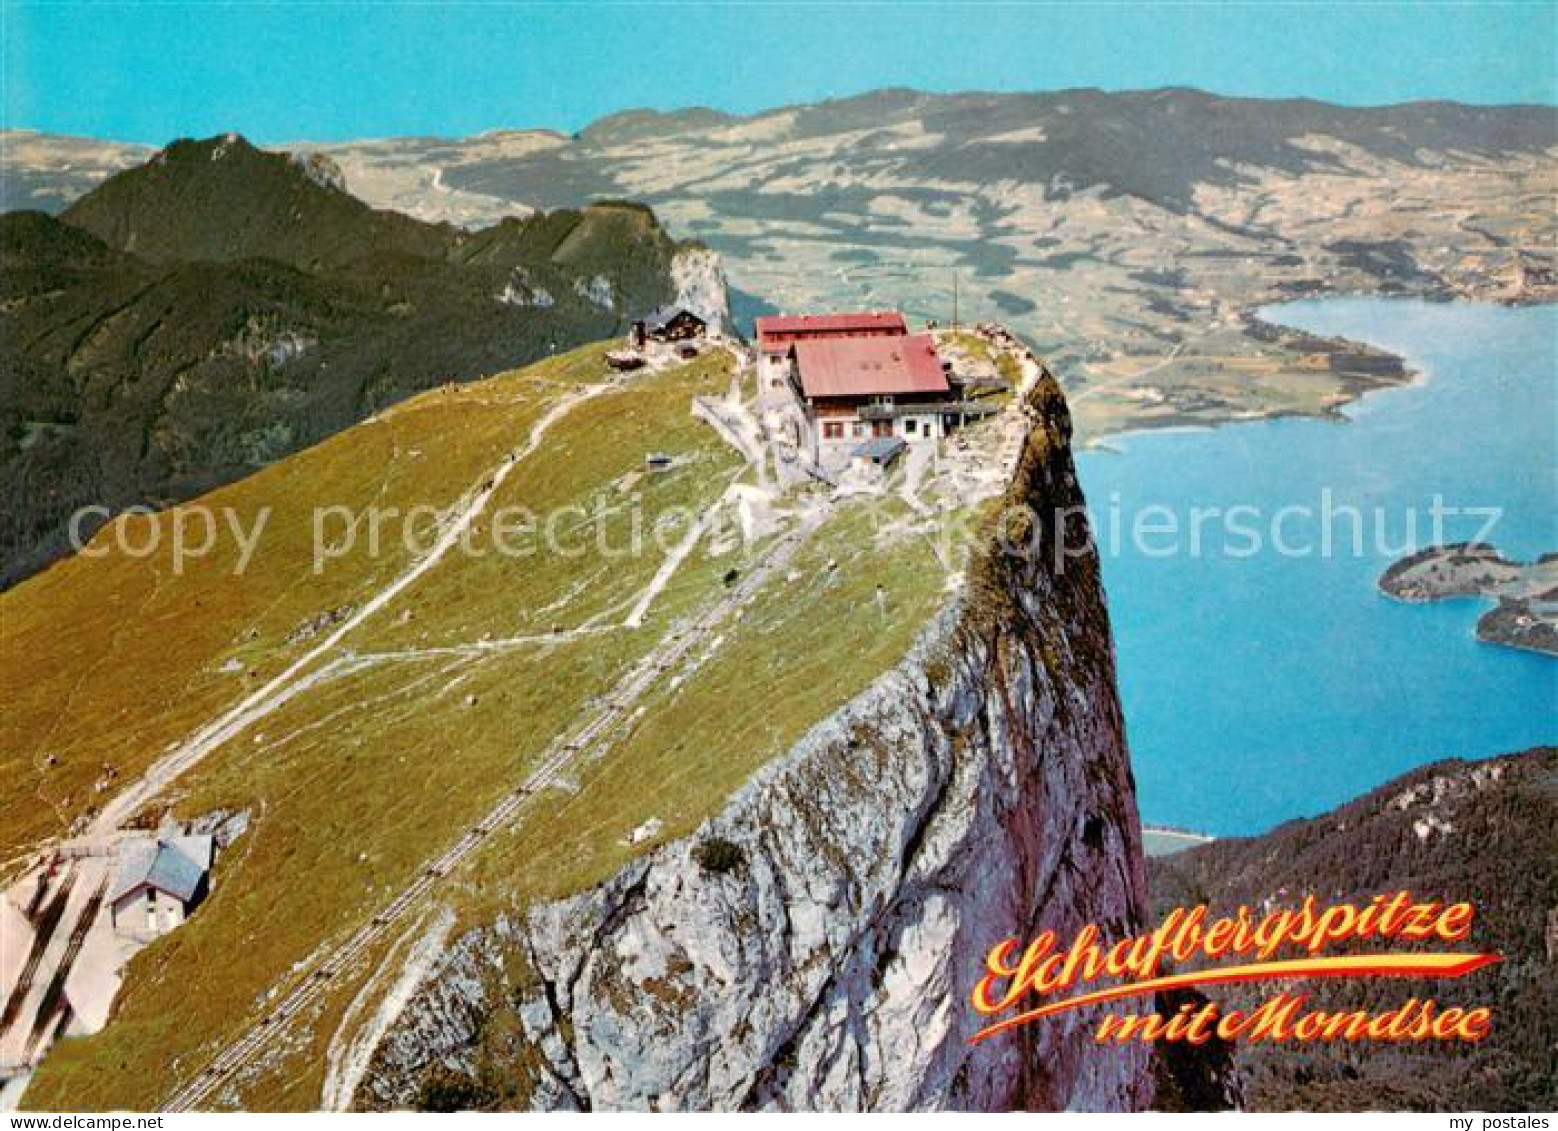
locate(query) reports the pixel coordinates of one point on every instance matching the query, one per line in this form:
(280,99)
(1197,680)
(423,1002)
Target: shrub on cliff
(718,855)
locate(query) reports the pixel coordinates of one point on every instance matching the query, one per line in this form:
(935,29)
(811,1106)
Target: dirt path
(737,427)
(915,464)
(294,680)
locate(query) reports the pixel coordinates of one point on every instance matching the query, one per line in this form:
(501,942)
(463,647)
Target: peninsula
(1526,611)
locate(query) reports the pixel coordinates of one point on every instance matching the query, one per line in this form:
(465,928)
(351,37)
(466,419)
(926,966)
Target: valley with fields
(1131,237)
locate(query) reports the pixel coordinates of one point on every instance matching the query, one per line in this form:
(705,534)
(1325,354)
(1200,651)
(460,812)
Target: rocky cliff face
(813,945)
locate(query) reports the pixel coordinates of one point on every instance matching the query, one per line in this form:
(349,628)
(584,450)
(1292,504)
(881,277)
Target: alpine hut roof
(662,316)
(869,321)
(175,865)
(864,367)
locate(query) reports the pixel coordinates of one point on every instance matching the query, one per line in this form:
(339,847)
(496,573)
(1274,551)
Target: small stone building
(160,880)
(879,452)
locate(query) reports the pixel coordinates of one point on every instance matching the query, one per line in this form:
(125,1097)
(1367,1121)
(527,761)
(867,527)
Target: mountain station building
(159,882)
(858,377)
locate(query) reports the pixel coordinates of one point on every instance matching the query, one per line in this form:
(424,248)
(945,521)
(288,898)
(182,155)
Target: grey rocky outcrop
(698,275)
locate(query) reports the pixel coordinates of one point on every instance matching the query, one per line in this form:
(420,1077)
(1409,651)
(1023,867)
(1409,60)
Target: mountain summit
(203,314)
(222,199)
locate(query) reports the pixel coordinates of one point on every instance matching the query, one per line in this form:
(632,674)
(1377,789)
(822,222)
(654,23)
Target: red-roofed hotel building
(859,376)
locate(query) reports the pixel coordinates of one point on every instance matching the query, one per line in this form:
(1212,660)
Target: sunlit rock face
(699,279)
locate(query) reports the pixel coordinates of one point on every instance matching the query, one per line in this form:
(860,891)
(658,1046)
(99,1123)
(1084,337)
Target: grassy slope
(123,657)
(356,782)
(812,642)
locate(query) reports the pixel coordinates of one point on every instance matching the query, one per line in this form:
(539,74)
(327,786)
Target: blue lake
(1264,686)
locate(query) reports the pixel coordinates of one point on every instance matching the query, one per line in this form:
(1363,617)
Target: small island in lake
(1526,613)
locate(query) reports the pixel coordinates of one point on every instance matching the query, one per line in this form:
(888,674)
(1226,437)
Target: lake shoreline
(1395,371)
(1523,595)
(1353,385)
(1268,689)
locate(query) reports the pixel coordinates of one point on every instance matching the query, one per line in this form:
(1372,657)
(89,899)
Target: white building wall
(927,426)
(775,369)
(147,913)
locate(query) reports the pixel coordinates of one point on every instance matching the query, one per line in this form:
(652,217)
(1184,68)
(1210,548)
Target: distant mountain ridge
(199,315)
(223,200)
(1131,236)
(1151,143)
(1156,145)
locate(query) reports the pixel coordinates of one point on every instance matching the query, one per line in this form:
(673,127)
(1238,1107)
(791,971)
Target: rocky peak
(223,199)
(323,170)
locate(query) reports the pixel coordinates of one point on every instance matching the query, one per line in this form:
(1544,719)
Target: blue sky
(331,69)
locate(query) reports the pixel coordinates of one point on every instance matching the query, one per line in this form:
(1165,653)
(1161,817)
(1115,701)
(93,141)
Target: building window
(832,430)
(910,427)
(859,428)
(881,428)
